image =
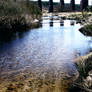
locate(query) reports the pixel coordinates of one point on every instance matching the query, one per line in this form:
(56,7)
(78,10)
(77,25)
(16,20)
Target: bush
(14,12)
(33,9)
(11,8)
(8,8)
(13,17)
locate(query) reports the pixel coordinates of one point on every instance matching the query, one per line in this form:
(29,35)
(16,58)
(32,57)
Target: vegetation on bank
(87,21)
(84,81)
(85,18)
(81,17)
(84,63)
(17,16)
(86,30)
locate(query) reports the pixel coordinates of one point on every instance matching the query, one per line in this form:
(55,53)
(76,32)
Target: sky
(67,1)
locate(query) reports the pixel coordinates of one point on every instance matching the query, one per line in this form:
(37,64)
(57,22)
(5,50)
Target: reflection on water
(61,23)
(72,22)
(51,22)
(52,47)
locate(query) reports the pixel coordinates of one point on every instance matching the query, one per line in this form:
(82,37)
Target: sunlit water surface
(51,48)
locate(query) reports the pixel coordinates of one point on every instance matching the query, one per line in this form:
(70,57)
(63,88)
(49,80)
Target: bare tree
(40,4)
(50,5)
(73,5)
(84,4)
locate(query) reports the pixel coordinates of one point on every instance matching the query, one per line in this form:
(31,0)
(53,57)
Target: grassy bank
(85,18)
(84,81)
(17,16)
(84,63)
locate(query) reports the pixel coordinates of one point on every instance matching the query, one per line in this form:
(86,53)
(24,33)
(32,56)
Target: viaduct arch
(83,4)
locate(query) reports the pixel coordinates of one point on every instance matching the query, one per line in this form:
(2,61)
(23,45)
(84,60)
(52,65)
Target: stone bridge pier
(83,4)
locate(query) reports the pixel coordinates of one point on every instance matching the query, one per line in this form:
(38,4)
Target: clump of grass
(83,69)
(77,17)
(84,66)
(85,14)
(86,30)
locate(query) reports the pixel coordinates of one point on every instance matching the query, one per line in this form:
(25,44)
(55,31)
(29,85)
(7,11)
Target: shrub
(11,8)
(13,17)
(8,8)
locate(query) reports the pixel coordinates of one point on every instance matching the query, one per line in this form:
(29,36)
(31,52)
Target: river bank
(83,64)
(85,18)
(17,17)
(84,81)
(39,62)
(14,25)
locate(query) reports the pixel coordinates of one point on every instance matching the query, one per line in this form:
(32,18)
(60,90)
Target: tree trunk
(40,4)
(50,5)
(84,4)
(73,5)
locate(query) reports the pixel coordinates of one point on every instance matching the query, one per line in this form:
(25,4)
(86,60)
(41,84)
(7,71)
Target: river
(48,51)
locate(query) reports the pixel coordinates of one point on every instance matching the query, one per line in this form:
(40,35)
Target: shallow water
(50,49)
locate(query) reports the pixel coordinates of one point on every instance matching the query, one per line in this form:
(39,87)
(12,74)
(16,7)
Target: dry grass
(84,81)
(84,65)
